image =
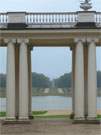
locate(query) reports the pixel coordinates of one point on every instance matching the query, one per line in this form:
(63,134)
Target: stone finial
(86,5)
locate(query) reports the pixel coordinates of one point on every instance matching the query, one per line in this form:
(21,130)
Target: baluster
(75,18)
(68,18)
(30,18)
(56,18)
(33,18)
(49,18)
(65,18)
(40,18)
(96,18)
(52,18)
(62,18)
(99,18)
(27,18)
(45,18)
(59,19)
(36,18)
(72,17)
(3,18)
(0,18)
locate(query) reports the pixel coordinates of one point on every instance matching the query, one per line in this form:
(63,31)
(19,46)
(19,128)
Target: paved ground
(50,127)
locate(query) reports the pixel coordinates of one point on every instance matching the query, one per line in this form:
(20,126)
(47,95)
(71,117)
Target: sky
(53,62)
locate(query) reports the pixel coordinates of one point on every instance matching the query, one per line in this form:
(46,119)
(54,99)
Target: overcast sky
(53,62)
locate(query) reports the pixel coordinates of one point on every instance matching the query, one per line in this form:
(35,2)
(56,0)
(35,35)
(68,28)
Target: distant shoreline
(49,92)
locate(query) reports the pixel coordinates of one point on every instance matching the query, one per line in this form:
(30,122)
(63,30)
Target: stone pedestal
(86,16)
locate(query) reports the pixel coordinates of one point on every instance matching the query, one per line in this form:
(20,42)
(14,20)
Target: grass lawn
(42,114)
(2,114)
(99,117)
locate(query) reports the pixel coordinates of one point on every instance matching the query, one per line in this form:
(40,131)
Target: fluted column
(79,81)
(23,83)
(92,81)
(73,80)
(10,79)
(30,82)
(17,79)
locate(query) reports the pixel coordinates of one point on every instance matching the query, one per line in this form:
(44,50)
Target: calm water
(49,103)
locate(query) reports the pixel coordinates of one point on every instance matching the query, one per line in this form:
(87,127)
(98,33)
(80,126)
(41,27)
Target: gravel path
(50,127)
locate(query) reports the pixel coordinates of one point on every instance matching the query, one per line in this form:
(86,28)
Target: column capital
(78,39)
(7,40)
(94,40)
(22,40)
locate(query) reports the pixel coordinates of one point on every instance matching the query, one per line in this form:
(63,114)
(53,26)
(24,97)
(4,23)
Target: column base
(10,118)
(7,122)
(86,122)
(91,118)
(79,118)
(24,118)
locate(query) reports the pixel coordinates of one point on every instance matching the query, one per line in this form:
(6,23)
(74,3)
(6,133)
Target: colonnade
(84,79)
(19,79)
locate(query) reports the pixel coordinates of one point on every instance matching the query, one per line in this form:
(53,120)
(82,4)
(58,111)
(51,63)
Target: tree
(40,80)
(63,81)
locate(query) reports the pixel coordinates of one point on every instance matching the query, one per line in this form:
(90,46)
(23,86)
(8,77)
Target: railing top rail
(51,12)
(42,12)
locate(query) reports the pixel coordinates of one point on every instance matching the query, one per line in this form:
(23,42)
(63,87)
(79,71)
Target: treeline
(42,81)
(65,81)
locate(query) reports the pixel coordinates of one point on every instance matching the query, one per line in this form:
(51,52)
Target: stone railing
(98,18)
(51,18)
(44,18)
(3,18)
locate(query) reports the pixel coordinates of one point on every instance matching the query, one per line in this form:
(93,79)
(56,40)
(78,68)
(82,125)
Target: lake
(49,103)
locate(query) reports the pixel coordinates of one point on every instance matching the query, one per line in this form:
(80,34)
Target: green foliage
(2,81)
(39,112)
(2,114)
(63,81)
(66,117)
(40,81)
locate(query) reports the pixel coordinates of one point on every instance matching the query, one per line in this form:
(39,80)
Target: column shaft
(23,84)
(79,81)
(30,82)
(86,80)
(92,86)
(73,80)
(17,79)
(10,81)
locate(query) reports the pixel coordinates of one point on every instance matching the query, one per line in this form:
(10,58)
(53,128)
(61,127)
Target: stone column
(73,80)
(10,79)
(79,81)
(86,80)
(17,79)
(30,82)
(23,81)
(92,81)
